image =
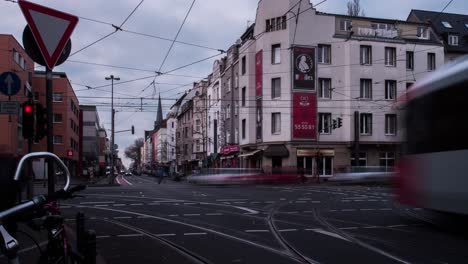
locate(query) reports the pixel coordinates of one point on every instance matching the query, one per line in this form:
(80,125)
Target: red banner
(304,70)
(304,116)
(258,73)
(230,148)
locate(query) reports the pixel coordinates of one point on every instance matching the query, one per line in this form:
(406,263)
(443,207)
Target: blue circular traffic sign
(10,83)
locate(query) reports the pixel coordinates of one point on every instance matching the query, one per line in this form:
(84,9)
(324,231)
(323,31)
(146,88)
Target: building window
(446,24)
(236,136)
(228,84)
(236,108)
(345,25)
(324,123)
(390,89)
(197,125)
(324,54)
(16,56)
(276,123)
(58,140)
(243,96)
(390,124)
(243,128)
(390,56)
(410,60)
(57,97)
(209,121)
(324,91)
(365,124)
(228,111)
(197,144)
(366,89)
(431,63)
(172,124)
(423,33)
(275,24)
(36,96)
(185,149)
(57,118)
(236,81)
(366,55)
(275,88)
(276,54)
(362,162)
(325,166)
(387,159)
(453,40)
(243,65)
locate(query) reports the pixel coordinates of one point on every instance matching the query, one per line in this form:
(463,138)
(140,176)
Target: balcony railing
(373,32)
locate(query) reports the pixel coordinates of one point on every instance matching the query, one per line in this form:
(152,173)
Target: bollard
(90,252)
(80,231)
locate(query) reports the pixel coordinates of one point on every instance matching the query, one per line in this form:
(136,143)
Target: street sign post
(10,83)
(9,107)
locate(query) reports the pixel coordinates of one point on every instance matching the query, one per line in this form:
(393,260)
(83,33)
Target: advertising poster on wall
(304,116)
(258,73)
(304,71)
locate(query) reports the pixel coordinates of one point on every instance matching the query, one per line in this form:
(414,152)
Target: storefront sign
(230,149)
(304,72)
(304,116)
(259,73)
(315,152)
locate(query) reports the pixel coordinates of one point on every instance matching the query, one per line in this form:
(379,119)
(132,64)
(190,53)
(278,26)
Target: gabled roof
(458,22)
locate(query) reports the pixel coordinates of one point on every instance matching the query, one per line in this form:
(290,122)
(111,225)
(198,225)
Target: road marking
(385,209)
(194,234)
(165,235)
(107,202)
(103,236)
(129,183)
(371,227)
(359,200)
(255,202)
(293,212)
(118,205)
(257,231)
(324,232)
(332,210)
(288,230)
(392,226)
(315,201)
(154,204)
(348,228)
(214,214)
(307,211)
(142,216)
(117,180)
(384,200)
(122,217)
(270,202)
(70,219)
(130,235)
(301,202)
(190,203)
(304,199)
(367,209)
(136,204)
(174,215)
(345,201)
(230,200)
(191,214)
(65,207)
(101,205)
(348,210)
(282,199)
(246,209)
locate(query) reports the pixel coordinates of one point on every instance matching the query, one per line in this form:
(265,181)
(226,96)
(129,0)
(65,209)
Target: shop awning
(227,157)
(314,152)
(251,153)
(276,151)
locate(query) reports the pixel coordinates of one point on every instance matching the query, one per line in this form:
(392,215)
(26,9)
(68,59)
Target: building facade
(91,149)
(66,114)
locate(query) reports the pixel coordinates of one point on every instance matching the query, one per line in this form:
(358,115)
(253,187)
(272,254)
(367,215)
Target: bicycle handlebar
(43,155)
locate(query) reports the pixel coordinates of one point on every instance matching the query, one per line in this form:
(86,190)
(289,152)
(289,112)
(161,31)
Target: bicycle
(42,212)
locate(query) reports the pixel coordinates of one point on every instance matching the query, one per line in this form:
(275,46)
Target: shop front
(230,156)
(251,159)
(315,161)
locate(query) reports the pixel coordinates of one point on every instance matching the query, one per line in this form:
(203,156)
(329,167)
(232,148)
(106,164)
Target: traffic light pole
(50,132)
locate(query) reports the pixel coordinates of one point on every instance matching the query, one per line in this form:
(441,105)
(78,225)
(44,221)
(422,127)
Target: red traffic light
(28,109)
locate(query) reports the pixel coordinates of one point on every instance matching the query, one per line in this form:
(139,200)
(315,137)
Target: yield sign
(51,29)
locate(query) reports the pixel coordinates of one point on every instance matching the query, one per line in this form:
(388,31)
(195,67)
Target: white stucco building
(362,66)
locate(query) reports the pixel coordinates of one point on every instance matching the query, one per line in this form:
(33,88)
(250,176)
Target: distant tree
(133,151)
(355,9)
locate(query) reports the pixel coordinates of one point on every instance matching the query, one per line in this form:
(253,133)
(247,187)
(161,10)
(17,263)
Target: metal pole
(111,179)
(50,132)
(356,138)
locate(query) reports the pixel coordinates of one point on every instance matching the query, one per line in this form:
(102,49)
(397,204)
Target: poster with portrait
(304,68)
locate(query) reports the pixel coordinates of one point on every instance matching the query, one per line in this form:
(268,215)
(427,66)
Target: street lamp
(111,175)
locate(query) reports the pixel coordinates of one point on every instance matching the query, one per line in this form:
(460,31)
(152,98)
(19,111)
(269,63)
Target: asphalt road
(144,222)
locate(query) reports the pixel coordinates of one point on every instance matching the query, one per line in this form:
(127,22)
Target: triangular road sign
(51,29)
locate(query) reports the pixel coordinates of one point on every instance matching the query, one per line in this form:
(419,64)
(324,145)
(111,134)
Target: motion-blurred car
(128,173)
(225,176)
(365,175)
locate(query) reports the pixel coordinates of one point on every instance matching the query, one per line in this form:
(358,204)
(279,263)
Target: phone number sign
(304,116)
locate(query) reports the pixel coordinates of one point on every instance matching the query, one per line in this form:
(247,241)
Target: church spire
(159,116)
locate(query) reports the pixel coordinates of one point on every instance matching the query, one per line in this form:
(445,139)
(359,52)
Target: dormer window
(345,25)
(423,33)
(275,24)
(453,40)
(446,24)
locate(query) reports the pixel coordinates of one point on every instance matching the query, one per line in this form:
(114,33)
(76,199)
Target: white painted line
(315,201)
(345,201)
(142,216)
(372,200)
(288,230)
(304,199)
(104,236)
(191,214)
(348,210)
(417,208)
(370,227)
(239,202)
(293,212)
(130,235)
(129,183)
(367,209)
(359,200)
(65,207)
(133,204)
(392,226)
(307,211)
(255,202)
(93,218)
(270,202)
(122,217)
(101,205)
(107,202)
(174,215)
(384,200)
(301,202)
(324,232)
(214,214)
(230,200)
(190,203)
(385,209)
(117,180)
(257,231)
(165,235)
(282,199)
(332,210)
(246,209)
(154,204)
(118,205)
(348,228)
(194,234)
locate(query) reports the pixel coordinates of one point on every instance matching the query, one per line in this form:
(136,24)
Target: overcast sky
(212,23)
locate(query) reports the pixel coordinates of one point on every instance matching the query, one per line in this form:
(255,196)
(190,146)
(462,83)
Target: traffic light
(334,124)
(41,122)
(133,130)
(28,120)
(340,122)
